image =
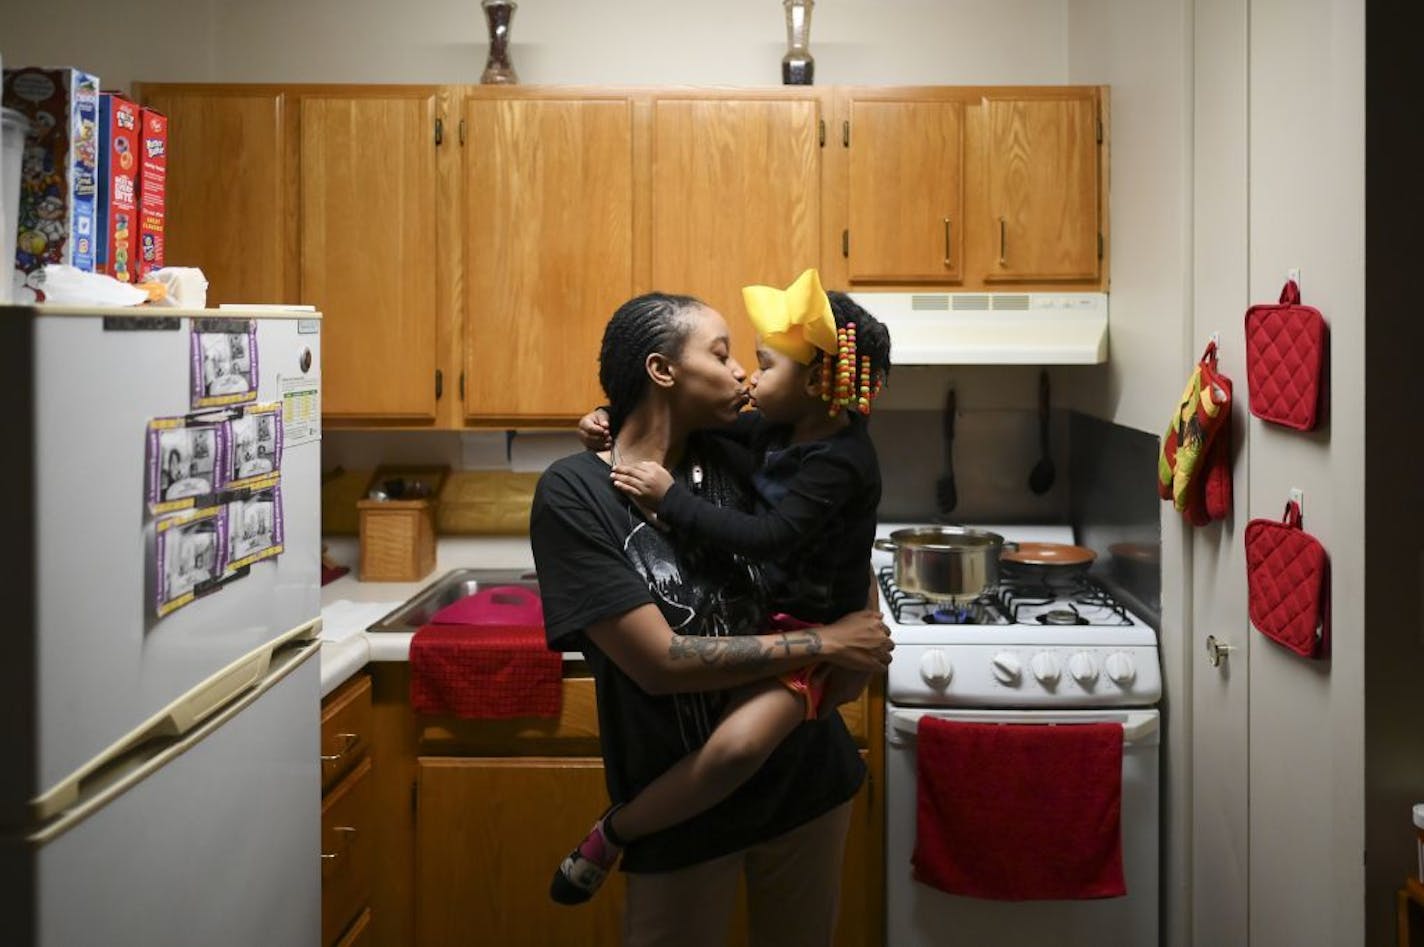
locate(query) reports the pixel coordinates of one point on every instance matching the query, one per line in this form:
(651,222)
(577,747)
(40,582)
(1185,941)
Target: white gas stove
(1028,643)
(1031,654)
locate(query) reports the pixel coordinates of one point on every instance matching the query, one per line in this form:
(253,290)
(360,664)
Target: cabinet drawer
(345,729)
(359,935)
(346,826)
(573,733)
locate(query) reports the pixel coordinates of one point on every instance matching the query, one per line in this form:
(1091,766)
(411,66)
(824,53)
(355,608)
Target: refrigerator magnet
(224,362)
(254,528)
(255,452)
(186,462)
(190,554)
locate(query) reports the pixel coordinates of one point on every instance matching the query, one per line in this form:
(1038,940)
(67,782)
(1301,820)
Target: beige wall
(731,42)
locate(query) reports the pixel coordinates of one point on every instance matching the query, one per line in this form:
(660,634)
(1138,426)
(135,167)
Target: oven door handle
(1137,725)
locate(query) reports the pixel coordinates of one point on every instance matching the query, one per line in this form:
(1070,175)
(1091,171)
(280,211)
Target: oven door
(917,914)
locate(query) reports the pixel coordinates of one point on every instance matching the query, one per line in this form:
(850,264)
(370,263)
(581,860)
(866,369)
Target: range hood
(992,328)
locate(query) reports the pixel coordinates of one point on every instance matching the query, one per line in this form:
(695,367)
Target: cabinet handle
(349,740)
(439,384)
(1003,260)
(346,832)
(462,387)
(946,244)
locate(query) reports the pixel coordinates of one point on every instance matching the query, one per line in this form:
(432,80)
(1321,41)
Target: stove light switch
(1007,667)
(1084,671)
(936,669)
(1046,668)
(1120,668)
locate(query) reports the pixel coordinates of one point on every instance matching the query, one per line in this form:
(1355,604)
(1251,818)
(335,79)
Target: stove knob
(936,669)
(1046,668)
(1120,668)
(1081,666)
(1007,667)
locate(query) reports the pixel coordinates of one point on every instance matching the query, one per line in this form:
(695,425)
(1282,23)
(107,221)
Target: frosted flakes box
(118,187)
(59,172)
(152,184)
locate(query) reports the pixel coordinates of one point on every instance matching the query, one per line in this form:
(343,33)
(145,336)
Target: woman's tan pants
(793,890)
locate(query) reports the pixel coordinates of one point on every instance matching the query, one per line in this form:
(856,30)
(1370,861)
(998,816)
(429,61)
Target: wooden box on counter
(398,535)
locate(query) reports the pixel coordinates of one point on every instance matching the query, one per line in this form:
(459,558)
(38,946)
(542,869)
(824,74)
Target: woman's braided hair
(654,322)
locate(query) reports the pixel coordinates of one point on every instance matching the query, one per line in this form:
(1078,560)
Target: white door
(1219,790)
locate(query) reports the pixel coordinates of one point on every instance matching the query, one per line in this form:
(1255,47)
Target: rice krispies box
(152,183)
(59,173)
(118,187)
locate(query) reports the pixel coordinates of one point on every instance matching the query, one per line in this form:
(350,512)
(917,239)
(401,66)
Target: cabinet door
(906,191)
(736,200)
(549,252)
(368,251)
(228,207)
(490,833)
(1041,163)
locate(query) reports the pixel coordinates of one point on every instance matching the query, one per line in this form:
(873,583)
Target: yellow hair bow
(795,321)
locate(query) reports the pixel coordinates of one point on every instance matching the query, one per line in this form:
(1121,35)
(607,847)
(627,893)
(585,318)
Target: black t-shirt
(815,517)
(597,558)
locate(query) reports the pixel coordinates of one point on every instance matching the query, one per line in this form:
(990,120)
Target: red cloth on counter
(330,574)
(488,672)
(1020,812)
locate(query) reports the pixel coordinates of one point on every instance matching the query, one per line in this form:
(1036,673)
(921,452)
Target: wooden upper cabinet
(368,250)
(228,205)
(906,191)
(1041,165)
(735,200)
(548,252)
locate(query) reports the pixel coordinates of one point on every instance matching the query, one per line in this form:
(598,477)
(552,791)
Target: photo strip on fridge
(214,475)
(223,354)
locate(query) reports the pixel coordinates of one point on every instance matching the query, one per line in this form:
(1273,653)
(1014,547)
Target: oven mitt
(1191,459)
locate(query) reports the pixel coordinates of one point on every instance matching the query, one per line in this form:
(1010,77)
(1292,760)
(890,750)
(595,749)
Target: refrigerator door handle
(175,727)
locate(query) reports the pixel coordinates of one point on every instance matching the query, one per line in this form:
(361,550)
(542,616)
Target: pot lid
(1049,554)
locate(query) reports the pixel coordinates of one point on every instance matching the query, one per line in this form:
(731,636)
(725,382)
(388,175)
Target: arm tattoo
(740,651)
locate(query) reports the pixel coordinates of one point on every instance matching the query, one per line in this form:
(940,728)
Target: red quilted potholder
(1288,584)
(1285,360)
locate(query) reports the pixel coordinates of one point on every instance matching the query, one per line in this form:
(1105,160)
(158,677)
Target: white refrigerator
(160,782)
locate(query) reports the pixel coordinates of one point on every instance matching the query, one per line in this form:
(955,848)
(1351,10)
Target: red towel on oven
(1020,812)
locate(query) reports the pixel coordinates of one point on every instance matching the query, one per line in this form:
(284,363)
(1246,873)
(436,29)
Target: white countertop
(345,648)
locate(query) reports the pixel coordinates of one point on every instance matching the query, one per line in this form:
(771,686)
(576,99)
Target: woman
(667,627)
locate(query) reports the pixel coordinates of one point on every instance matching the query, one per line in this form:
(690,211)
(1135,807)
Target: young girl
(821,360)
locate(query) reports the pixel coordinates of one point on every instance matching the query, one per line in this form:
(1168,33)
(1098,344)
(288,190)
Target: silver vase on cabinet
(798,66)
(498,69)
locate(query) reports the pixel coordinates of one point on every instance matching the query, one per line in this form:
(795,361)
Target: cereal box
(152,182)
(118,181)
(58,177)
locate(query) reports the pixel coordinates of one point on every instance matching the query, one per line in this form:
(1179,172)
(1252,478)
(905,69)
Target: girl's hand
(644,481)
(593,430)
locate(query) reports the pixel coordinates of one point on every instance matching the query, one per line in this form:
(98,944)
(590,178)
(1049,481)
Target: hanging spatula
(946,496)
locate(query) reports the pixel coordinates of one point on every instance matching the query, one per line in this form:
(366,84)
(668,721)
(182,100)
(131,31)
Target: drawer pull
(347,832)
(349,740)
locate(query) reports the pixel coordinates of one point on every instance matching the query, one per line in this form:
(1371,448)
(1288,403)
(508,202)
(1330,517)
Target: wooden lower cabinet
(491,831)
(348,815)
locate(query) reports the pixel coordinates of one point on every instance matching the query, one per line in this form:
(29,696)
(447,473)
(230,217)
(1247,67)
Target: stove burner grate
(983,610)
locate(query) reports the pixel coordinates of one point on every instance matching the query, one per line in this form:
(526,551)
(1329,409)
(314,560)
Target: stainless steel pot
(945,563)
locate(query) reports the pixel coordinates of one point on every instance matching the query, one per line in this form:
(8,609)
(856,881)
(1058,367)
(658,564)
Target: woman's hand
(644,481)
(860,642)
(593,430)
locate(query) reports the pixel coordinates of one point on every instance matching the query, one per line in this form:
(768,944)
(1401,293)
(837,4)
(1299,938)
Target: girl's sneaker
(585,868)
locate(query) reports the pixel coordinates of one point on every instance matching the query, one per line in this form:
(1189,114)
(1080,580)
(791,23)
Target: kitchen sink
(450,588)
